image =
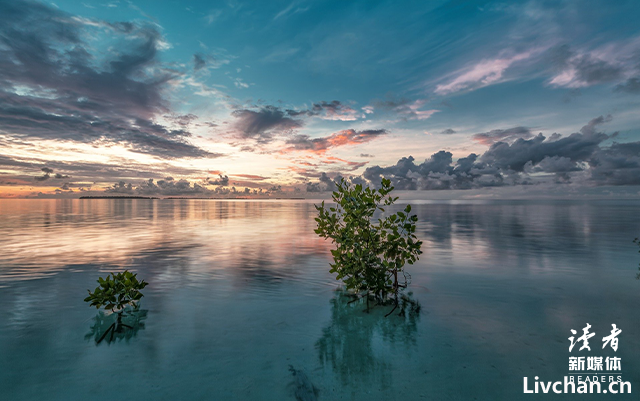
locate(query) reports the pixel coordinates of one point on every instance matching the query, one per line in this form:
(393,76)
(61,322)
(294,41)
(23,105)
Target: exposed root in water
(394,308)
(116,327)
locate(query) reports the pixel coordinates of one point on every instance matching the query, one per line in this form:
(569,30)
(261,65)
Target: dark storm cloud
(523,162)
(618,164)
(576,147)
(262,124)
(54,85)
(434,173)
(501,135)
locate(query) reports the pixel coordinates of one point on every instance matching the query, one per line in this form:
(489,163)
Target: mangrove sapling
(370,255)
(115,293)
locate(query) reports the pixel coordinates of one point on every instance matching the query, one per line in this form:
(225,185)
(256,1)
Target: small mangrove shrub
(115,293)
(370,253)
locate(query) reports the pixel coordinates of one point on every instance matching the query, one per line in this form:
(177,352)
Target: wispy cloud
(291,9)
(481,74)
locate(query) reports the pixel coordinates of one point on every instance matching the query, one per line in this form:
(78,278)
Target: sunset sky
(277,98)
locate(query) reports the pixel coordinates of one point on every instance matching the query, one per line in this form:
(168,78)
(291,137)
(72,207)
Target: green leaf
(116,291)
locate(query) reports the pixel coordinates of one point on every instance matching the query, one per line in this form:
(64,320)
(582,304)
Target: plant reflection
(351,344)
(133,318)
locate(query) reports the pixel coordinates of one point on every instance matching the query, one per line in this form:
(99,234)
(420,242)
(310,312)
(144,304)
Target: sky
(281,98)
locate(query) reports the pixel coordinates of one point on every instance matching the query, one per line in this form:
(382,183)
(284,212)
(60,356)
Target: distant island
(117,197)
(178,197)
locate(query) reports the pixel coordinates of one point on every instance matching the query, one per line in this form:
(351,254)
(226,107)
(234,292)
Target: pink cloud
(484,73)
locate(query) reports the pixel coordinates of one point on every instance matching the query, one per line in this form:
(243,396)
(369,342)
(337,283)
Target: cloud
(412,110)
(447,131)
(632,85)
(267,122)
(618,164)
(198,62)
(347,165)
(47,175)
(251,177)
(498,135)
(164,187)
(280,55)
(525,161)
(213,59)
(262,124)
(404,108)
(240,84)
(54,84)
(582,70)
(577,147)
(90,172)
(169,186)
(212,16)
(334,110)
(220,181)
(341,138)
(325,183)
(291,9)
(564,66)
(483,73)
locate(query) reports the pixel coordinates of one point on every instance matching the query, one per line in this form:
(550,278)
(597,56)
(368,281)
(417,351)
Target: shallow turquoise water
(240,292)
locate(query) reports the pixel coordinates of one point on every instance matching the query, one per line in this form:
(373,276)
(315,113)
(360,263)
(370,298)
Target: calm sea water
(240,297)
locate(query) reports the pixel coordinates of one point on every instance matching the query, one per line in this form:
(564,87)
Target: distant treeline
(174,197)
(117,197)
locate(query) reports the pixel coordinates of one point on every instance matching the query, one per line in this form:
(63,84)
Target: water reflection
(241,289)
(42,238)
(538,235)
(101,329)
(351,346)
